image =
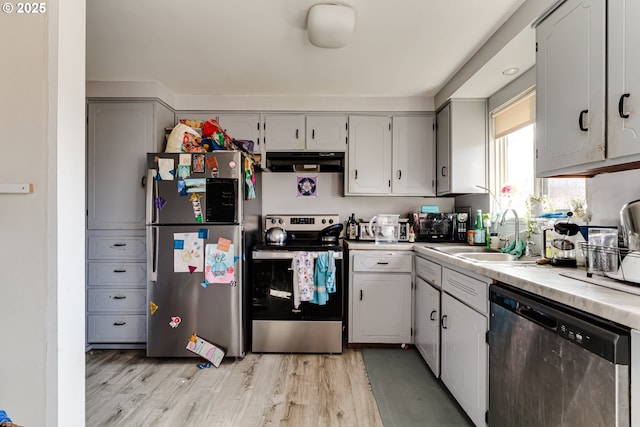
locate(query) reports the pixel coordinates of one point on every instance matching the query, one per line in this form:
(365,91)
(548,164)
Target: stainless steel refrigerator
(199,226)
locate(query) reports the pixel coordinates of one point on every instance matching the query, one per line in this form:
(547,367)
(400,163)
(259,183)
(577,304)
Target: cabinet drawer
(116,329)
(387,261)
(117,300)
(113,247)
(429,271)
(469,290)
(130,275)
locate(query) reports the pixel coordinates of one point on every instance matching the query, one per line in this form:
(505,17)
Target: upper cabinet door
(413,156)
(570,64)
(443,150)
(369,165)
(284,132)
(624,81)
(242,126)
(327,133)
(119,137)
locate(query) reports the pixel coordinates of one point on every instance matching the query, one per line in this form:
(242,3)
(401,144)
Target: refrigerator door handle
(152,254)
(150,193)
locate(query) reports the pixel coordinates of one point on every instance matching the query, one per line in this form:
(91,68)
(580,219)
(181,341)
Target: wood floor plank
(124,388)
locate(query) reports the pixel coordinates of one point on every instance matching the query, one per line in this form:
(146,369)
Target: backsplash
(607,193)
(279,195)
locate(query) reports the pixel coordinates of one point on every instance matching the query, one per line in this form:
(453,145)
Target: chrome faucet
(517,222)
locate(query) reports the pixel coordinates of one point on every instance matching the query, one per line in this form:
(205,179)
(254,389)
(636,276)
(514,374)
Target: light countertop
(544,280)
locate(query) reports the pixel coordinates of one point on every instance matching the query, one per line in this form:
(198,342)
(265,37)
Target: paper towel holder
(331,25)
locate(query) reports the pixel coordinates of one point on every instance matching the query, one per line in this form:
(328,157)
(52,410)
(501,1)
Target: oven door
(272,290)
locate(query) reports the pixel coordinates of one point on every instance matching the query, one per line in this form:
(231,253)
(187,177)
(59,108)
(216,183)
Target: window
(512,162)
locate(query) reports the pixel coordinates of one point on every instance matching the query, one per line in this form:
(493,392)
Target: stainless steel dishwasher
(552,365)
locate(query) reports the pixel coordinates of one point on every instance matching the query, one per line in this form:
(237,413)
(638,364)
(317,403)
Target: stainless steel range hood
(305,161)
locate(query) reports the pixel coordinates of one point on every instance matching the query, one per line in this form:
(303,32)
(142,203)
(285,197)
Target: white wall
(279,196)
(42,136)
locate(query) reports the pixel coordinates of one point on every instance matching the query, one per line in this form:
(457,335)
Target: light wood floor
(124,388)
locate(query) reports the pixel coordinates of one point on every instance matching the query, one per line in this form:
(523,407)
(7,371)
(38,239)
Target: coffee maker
(561,249)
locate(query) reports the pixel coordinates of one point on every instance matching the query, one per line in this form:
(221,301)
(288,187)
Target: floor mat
(407,392)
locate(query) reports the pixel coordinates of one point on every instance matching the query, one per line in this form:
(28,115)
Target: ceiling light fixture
(511,71)
(331,25)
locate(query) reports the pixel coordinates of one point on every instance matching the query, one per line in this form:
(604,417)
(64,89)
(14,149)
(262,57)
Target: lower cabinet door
(116,328)
(381,307)
(427,320)
(465,356)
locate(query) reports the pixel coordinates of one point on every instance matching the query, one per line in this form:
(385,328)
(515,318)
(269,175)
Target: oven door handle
(267,254)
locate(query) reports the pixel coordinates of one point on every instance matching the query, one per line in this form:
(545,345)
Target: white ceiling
(401,48)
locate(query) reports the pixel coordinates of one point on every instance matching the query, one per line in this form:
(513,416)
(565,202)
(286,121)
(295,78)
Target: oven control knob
(330,221)
(324,221)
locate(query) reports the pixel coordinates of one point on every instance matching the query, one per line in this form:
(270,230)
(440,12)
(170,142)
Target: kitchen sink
(482,254)
(487,256)
(463,249)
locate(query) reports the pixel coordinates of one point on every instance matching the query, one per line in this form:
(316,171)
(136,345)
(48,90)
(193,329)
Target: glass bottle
(478,229)
(352,227)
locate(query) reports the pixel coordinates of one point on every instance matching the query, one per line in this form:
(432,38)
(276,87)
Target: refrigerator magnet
(175,321)
(166,169)
(153,307)
(184,171)
(198,163)
(159,202)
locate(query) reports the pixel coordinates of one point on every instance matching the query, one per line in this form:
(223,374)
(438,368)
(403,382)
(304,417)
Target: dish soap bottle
(478,230)
(352,227)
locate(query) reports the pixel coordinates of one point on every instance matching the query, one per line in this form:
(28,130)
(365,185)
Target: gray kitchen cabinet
(242,126)
(413,156)
(427,312)
(570,88)
(390,156)
(119,134)
(573,136)
(298,132)
(380,295)
(623,83)
(464,325)
(461,136)
(369,156)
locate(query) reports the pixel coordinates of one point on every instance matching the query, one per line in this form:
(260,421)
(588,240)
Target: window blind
(515,116)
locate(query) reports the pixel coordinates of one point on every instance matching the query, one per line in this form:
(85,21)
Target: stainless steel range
(297,286)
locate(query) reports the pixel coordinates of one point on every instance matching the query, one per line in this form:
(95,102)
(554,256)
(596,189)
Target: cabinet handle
(442,322)
(143,182)
(356,177)
(443,171)
(360,294)
(119,323)
(313,134)
(119,245)
(621,106)
(119,270)
(297,131)
(119,297)
(432,317)
(580,120)
(399,174)
(383,262)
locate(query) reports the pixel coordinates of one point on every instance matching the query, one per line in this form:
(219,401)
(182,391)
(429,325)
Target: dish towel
(324,277)
(302,266)
(517,248)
